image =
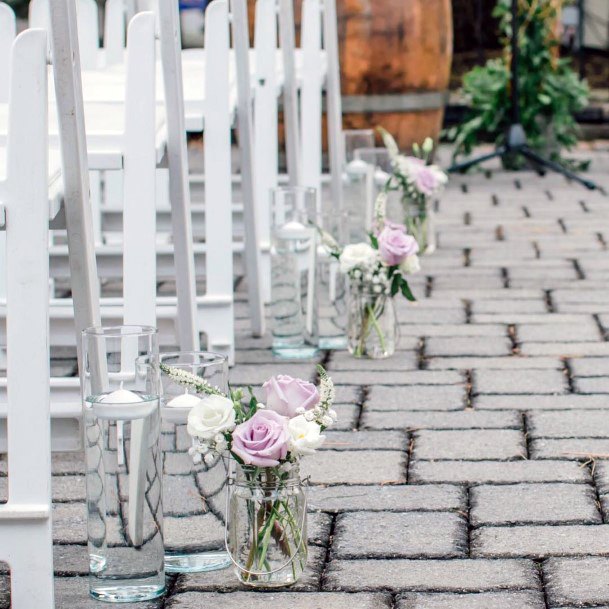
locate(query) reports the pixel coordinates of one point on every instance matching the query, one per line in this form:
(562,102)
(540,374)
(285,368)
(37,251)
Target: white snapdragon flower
(410,265)
(305,436)
(214,414)
(357,255)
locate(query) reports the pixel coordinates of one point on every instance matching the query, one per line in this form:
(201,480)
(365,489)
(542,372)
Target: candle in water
(121,396)
(186,400)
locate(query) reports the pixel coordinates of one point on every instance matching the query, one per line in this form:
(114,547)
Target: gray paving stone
(388,498)
(402,360)
(420,315)
(453,346)
(356,467)
(258,374)
(429,330)
(474,445)
(5,594)
(407,377)
(590,366)
(365,440)
(528,318)
(181,496)
(459,575)
(67,488)
(462,419)
(540,402)
(509,306)
(522,382)
(577,582)
(348,415)
(68,463)
(601,476)
(494,363)
(580,448)
(540,541)
(496,472)
(579,349)
(559,332)
(534,503)
(279,600)
(400,535)
(568,424)
(442,397)
(592,385)
(70,524)
(483,600)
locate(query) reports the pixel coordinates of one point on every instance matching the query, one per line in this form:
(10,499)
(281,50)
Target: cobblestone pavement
(471,470)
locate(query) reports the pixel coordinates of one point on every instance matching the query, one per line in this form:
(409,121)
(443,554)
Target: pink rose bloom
(262,440)
(426,180)
(285,395)
(395,245)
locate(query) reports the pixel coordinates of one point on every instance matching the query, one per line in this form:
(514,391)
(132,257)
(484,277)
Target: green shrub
(550,91)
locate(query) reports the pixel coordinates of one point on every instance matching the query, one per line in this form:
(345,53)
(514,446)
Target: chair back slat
(179,188)
(311,95)
(8,32)
(241,43)
(25,520)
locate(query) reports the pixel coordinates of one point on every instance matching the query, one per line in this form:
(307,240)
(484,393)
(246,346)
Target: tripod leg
(463,167)
(539,160)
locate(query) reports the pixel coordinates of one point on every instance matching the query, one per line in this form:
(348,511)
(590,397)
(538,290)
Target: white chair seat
(105,123)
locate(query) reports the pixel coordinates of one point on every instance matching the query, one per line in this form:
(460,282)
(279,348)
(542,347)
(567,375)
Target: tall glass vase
(267,525)
(373,330)
(209,478)
(419,219)
(123,464)
(338,227)
(293,279)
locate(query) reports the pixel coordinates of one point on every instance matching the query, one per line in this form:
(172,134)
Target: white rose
(212,415)
(305,436)
(410,265)
(357,255)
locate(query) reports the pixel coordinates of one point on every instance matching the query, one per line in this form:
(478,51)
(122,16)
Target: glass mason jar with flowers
(419,182)
(377,273)
(266,519)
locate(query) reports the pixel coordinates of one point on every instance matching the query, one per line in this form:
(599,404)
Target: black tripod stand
(516,142)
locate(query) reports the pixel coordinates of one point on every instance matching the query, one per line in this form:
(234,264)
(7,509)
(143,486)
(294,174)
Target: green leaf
(406,291)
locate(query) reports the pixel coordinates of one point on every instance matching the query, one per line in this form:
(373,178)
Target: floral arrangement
(266,440)
(418,180)
(287,427)
(377,270)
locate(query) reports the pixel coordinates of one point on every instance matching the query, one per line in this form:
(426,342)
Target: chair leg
(31,562)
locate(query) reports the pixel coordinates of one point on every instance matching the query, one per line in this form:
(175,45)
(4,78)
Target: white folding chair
(7,35)
(25,520)
(88,27)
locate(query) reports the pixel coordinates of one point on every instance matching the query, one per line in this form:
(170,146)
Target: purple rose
(285,395)
(426,180)
(395,245)
(262,440)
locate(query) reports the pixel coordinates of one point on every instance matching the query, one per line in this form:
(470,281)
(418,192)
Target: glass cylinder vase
(123,464)
(373,331)
(419,219)
(206,482)
(267,525)
(293,280)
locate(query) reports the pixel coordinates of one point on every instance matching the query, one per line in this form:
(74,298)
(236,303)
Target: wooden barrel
(395,60)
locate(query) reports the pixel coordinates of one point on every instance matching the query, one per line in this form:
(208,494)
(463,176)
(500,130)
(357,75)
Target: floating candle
(186,400)
(121,396)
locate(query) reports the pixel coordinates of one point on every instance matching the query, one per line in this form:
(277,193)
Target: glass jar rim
(208,357)
(119,331)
